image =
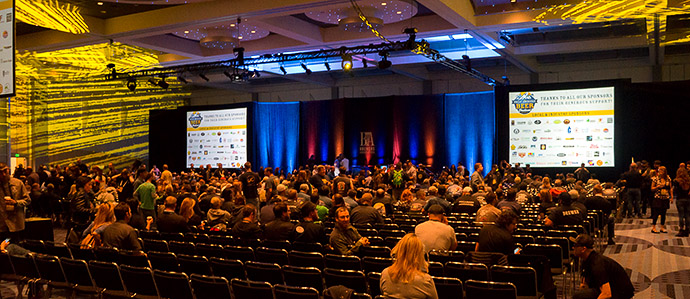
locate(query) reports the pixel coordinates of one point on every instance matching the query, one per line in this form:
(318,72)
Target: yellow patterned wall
(63,111)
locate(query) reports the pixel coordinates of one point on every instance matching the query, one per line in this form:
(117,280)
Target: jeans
(633,200)
(683,205)
(656,212)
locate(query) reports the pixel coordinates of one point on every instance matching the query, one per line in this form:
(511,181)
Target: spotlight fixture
(506,81)
(282,69)
(182,79)
(384,63)
(203,77)
(364,63)
(468,63)
(306,69)
(346,64)
(132,84)
(328,66)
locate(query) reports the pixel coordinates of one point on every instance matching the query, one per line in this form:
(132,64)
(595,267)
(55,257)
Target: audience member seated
(280,228)
(436,234)
(547,205)
(466,203)
(350,198)
(345,239)
(104,217)
(120,234)
(498,237)
(170,222)
(480,195)
(189,213)
(522,196)
(383,198)
(266,215)
(509,203)
(248,227)
(307,231)
(365,213)
(217,217)
(137,220)
(303,195)
(565,214)
(433,198)
(407,277)
(489,212)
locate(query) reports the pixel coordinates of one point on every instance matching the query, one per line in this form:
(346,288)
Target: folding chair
(173,285)
(210,286)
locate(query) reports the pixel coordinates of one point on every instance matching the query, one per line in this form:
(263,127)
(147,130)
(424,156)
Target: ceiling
(529,35)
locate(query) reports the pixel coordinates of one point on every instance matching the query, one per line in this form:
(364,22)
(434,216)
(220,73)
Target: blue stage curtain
(470,129)
(276,131)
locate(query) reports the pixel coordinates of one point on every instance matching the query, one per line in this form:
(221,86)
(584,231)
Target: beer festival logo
(524,103)
(366,144)
(195,119)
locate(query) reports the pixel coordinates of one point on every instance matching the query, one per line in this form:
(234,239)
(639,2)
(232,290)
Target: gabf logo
(366,144)
(195,119)
(524,103)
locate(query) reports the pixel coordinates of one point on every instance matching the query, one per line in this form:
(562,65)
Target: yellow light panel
(51,14)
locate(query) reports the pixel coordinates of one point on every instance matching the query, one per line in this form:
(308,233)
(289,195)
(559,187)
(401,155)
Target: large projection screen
(217,136)
(562,128)
(7,48)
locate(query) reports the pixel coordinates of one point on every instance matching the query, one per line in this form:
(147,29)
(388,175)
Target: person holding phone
(13,200)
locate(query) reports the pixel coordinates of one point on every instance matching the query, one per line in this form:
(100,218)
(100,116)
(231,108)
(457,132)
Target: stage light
(468,63)
(203,77)
(182,79)
(346,64)
(132,84)
(306,69)
(364,63)
(328,66)
(384,63)
(506,81)
(282,69)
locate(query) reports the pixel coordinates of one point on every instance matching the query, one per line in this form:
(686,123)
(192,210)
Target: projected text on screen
(217,136)
(562,128)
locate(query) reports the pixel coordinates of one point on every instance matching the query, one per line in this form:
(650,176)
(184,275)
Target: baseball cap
(436,209)
(583,240)
(281,188)
(467,189)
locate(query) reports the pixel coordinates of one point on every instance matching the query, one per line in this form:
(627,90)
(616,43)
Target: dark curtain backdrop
(470,129)
(276,134)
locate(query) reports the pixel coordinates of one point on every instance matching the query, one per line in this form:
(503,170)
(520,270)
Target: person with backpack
(397,178)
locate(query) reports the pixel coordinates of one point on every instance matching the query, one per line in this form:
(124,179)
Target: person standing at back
(250,185)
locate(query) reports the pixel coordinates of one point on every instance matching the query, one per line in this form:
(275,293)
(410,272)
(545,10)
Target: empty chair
(50,270)
(376,264)
(156,245)
(210,286)
(307,247)
(465,271)
(367,232)
(34,246)
(378,251)
(173,285)
(466,246)
(551,251)
(210,250)
(221,240)
(253,243)
(390,242)
(251,289)
(448,287)
(272,255)
(524,279)
(435,269)
(343,262)
(172,237)
(270,273)
(106,254)
(228,268)
(349,278)
(24,266)
(106,275)
(77,273)
(278,244)
(194,264)
(446,256)
(489,289)
(139,280)
(6,269)
(306,259)
(166,261)
(242,253)
(180,247)
(57,249)
(303,277)
(523,239)
(374,281)
(392,233)
(81,254)
(376,241)
(292,292)
(133,258)
(149,234)
(360,296)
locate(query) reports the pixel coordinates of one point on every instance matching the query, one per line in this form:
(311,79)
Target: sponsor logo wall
(218,136)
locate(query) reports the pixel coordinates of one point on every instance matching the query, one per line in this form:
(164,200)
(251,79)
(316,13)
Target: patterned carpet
(658,264)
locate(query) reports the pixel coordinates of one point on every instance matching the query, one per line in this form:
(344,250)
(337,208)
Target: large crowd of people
(105,206)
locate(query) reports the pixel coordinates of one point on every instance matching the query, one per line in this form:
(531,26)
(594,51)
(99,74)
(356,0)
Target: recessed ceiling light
(186,31)
(232,25)
(253,31)
(239,37)
(399,12)
(103,11)
(100,3)
(384,3)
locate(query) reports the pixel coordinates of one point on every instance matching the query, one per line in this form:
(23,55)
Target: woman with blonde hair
(105,216)
(407,277)
(187,211)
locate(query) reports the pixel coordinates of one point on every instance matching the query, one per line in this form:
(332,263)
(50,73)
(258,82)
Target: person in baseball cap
(602,277)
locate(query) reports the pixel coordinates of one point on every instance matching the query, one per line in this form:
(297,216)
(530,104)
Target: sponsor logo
(589,138)
(536,122)
(542,147)
(195,120)
(516,131)
(566,121)
(534,138)
(569,130)
(522,155)
(606,130)
(512,146)
(524,103)
(599,162)
(522,147)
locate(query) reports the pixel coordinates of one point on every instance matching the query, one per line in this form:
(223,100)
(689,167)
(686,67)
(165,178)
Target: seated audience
(188,212)
(436,234)
(489,212)
(307,231)
(509,203)
(498,237)
(407,277)
(345,239)
(119,234)
(547,205)
(565,214)
(466,203)
(170,222)
(280,228)
(434,198)
(217,217)
(247,228)
(365,213)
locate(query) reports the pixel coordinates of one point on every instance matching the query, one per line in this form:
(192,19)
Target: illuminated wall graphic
(58,115)
(51,14)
